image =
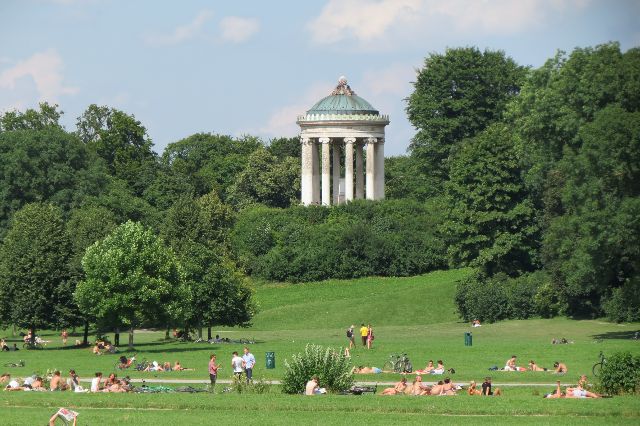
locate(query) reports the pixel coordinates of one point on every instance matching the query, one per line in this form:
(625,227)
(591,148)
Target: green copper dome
(343,100)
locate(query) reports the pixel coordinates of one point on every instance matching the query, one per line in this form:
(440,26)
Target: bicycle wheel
(597,368)
(388,366)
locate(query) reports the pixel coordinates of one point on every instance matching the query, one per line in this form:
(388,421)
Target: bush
(624,303)
(621,374)
(331,367)
(362,238)
(482,298)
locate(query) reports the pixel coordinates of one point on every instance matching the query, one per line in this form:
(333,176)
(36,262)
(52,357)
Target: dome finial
(343,88)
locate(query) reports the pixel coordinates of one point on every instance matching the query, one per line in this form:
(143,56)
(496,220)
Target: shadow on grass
(621,335)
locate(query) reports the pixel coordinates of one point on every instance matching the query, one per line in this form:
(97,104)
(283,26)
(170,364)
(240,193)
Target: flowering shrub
(331,367)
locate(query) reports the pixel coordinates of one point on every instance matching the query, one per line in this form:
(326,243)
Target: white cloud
(373,22)
(237,30)
(362,19)
(182,33)
(45,70)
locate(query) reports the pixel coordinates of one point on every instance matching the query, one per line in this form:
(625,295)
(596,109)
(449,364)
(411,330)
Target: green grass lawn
(414,315)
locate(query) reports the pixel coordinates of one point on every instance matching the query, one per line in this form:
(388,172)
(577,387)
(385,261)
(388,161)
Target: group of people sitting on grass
(166,366)
(511,365)
(101,347)
(418,388)
(54,382)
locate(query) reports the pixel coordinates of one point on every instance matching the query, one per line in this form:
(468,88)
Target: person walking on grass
(352,342)
(213,370)
(236,366)
(65,336)
(363,333)
(370,337)
(248,361)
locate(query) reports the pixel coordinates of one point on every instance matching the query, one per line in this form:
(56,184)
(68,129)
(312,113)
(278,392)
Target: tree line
(529,176)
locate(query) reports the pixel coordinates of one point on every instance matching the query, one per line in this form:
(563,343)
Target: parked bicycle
(32,345)
(398,363)
(15,364)
(597,367)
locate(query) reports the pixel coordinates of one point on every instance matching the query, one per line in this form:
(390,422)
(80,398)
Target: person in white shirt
(236,365)
(95,383)
(249,361)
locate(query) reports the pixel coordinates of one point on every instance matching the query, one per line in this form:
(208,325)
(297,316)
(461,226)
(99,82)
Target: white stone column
(379,177)
(326,171)
(315,159)
(371,169)
(336,172)
(359,173)
(306,181)
(348,168)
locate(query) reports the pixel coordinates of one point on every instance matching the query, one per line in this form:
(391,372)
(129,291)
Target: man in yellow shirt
(364,331)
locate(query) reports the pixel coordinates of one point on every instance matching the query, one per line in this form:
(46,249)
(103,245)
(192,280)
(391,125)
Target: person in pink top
(213,370)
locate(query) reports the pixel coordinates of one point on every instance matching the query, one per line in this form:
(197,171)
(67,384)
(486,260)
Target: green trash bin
(468,339)
(271,360)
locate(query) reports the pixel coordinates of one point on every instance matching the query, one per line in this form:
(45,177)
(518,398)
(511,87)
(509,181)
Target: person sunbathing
(439,368)
(556,393)
(428,369)
(419,389)
(510,365)
(448,388)
(437,388)
(178,367)
(580,392)
(37,384)
(473,391)
(560,368)
(534,367)
(368,370)
(397,389)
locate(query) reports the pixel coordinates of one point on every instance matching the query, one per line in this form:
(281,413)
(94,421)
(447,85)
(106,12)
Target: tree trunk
(131,338)
(13,332)
(33,335)
(200,333)
(85,338)
(116,337)
(208,333)
(166,333)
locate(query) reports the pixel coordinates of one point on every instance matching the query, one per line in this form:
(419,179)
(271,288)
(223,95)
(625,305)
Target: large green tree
(122,141)
(131,279)
(34,268)
(197,231)
(45,117)
(46,165)
(267,180)
(209,161)
(456,95)
(491,222)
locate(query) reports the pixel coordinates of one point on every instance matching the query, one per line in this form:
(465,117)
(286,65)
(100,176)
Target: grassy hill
(425,299)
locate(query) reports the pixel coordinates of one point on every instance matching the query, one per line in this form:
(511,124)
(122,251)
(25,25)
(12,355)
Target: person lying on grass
(368,370)
(417,388)
(534,367)
(178,367)
(397,389)
(439,368)
(428,369)
(560,368)
(510,365)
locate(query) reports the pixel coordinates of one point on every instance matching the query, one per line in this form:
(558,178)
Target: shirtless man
(560,368)
(534,367)
(437,388)
(580,392)
(398,388)
(510,365)
(418,388)
(56,382)
(429,368)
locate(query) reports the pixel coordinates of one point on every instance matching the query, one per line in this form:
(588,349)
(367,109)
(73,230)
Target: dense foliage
(390,238)
(331,367)
(621,374)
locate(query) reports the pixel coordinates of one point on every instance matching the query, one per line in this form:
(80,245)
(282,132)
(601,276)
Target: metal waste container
(271,360)
(468,339)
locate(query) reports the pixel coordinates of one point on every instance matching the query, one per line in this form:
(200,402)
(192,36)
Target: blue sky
(249,67)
